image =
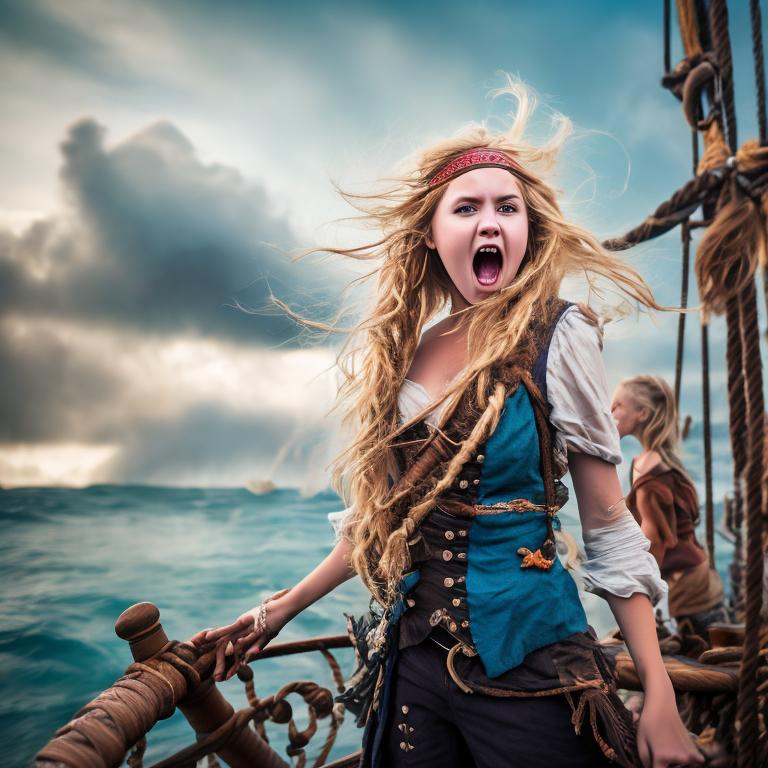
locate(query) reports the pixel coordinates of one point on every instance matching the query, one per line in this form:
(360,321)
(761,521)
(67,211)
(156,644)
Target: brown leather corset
(440,597)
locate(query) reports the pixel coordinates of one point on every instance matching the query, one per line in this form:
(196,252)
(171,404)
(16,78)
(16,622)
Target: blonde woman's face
(480,231)
(625,412)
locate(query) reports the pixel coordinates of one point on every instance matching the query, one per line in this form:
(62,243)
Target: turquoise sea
(72,560)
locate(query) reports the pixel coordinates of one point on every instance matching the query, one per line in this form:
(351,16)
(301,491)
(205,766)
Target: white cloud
(158,382)
(61,464)
(162,377)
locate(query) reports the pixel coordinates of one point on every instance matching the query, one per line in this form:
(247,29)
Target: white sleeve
(338,520)
(619,561)
(577,390)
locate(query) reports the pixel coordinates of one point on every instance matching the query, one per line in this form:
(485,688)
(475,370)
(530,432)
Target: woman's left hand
(662,739)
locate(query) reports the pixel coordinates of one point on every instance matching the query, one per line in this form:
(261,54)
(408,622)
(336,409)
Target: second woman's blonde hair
(659,431)
(412,287)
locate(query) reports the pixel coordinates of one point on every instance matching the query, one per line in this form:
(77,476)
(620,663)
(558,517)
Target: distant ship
(260,487)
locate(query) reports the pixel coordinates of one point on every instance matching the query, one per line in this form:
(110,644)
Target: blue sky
(160,159)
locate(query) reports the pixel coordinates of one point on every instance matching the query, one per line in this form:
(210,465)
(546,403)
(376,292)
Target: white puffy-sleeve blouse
(618,560)
(577,391)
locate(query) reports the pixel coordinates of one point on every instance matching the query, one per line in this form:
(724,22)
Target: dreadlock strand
(395,557)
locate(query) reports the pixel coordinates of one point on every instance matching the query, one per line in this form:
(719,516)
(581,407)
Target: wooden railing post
(205,707)
(164,676)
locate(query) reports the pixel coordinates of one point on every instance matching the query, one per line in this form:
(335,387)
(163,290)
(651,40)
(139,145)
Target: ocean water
(72,560)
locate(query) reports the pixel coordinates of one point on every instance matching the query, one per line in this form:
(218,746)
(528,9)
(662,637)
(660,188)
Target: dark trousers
(432,723)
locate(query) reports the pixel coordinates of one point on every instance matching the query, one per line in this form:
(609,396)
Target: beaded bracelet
(261,618)
(260,623)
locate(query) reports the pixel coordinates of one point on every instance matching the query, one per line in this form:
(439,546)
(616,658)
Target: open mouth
(487,264)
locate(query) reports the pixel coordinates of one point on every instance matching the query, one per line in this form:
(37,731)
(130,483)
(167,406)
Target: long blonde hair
(660,431)
(412,287)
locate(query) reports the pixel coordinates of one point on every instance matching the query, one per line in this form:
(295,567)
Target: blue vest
(514,610)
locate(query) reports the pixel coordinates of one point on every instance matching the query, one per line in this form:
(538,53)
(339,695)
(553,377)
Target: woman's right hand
(243,638)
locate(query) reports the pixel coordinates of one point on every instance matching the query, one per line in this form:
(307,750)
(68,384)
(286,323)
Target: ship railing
(167,675)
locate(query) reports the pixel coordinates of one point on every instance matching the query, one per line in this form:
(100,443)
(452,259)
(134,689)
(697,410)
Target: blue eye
(462,208)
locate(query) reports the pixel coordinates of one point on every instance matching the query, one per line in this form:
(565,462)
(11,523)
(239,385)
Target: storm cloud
(156,240)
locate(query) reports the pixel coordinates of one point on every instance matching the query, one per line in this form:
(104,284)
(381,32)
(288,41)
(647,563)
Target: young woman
(664,501)
(481,653)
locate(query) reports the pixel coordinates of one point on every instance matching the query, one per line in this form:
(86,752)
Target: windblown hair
(412,287)
(659,431)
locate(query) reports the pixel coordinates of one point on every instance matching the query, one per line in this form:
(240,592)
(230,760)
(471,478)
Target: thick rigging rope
(685,233)
(757,54)
(667,38)
(709,507)
(752,395)
(721,44)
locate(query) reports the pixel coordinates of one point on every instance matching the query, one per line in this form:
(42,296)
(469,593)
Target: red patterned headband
(474,158)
